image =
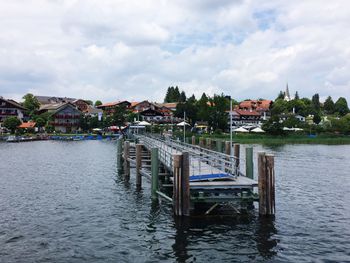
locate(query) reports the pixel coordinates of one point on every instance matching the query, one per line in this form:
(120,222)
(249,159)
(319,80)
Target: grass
(329,139)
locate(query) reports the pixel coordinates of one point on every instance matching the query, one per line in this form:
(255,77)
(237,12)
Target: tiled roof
(26,125)
(248,113)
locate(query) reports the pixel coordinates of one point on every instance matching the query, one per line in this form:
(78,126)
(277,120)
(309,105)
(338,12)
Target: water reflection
(253,233)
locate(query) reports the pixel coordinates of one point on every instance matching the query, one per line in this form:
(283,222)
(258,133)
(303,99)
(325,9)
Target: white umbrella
(183,124)
(97,129)
(257,129)
(298,129)
(287,129)
(240,129)
(143,123)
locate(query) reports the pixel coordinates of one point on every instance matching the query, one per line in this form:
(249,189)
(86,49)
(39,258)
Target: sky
(114,50)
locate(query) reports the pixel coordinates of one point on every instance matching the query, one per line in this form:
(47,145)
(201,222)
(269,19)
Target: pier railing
(202,160)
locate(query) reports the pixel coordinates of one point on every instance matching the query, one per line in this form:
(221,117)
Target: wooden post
(227,147)
(249,165)
(138,165)
(119,154)
(236,155)
(177,184)
(185,184)
(194,140)
(201,142)
(219,146)
(208,143)
(126,162)
(266,184)
(181,186)
(155,172)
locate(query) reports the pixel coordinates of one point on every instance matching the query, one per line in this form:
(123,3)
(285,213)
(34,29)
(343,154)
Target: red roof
(26,125)
(255,104)
(248,112)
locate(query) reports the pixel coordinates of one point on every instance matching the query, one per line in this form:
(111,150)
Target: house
(30,125)
(65,116)
(144,105)
(262,106)
(43,100)
(82,105)
(9,108)
(154,112)
(245,118)
(170,105)
(108,108)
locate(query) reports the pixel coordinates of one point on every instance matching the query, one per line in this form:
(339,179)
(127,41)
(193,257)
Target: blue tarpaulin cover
(210,177)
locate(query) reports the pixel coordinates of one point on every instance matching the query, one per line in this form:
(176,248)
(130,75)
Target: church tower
(287,95)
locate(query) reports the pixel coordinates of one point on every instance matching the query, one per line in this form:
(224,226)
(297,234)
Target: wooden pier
(191,176)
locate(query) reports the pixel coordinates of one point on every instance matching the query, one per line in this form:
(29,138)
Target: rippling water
(65,202)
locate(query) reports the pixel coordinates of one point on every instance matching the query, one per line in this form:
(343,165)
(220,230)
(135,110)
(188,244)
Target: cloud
(117,49)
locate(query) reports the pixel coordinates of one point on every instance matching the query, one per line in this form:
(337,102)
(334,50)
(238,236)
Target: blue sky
(134,50)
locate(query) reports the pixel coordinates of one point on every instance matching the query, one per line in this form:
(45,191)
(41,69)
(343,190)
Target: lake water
(65,202)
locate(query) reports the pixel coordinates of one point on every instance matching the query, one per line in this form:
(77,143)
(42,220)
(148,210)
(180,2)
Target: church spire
(286,94)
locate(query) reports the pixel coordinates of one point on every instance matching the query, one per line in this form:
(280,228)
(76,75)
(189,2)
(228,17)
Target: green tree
(182,97)
(316,102)
(218,115)
(203,108)
(280,95)
(329,105)
(12,123)
(296,96)
(273,126)
(31,103)
(89,102)
(119,116)
(98,103)
(40,122)
(341,106)
(317,118)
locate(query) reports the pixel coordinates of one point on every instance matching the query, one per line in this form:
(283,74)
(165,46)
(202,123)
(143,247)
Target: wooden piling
(201,142)
(219,146)
(155,172)
(194,140)
(119,154)
(126,162)
(228,147)
(266,183)
(236,154)
(181,185)
(249,165)
(208,143)
(138,165)
(185,181)
(177,158)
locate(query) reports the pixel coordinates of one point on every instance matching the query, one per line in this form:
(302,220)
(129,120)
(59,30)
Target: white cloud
(117,49)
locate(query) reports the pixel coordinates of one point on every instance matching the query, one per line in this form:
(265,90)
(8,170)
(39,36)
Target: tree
(12,123)
(98,103)
(317,118)
(341,106)
(273,126)
(296,96)
(40,122)
(329,105)
(316,102)
(280,95)
(182,97)
(119,116)
(31,103)
(219,105)
(202,108)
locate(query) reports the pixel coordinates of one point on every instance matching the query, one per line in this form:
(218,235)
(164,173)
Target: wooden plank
(185,181)
(262,182)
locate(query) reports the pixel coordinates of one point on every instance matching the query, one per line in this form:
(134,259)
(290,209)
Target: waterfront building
(65,116)
(10,108)
(246,118)
(43,100)
(109,107)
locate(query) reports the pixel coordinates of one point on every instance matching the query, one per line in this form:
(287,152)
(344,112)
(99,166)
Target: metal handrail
(215,160)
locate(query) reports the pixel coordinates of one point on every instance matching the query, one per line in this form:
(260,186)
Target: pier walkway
(208,169)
